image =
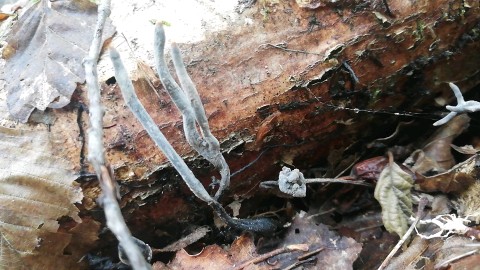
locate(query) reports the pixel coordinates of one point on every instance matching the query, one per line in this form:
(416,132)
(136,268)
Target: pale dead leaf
(409,258)
(214,257)
(393,194)
(334,251)
(453,254)
(455,180)
(438,146)
(44,54)
(466,149)
(64,251)
(36,189)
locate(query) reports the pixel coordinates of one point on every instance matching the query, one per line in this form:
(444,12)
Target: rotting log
(274,92)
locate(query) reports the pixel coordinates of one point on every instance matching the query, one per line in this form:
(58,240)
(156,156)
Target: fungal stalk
(188,102)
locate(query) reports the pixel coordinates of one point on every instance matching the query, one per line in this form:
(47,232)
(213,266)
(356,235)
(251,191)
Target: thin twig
(270,184)
(336,180)
(296,264)
(96,154)
(421,206)
(283,47)
(444,264)
(311,253)
(263,257)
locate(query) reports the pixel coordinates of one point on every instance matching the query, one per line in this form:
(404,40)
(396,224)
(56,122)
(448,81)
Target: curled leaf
(44,55)
(36,189)
(455,180)
(393,194)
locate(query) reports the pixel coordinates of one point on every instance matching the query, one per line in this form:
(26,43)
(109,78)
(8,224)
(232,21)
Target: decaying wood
(274,91)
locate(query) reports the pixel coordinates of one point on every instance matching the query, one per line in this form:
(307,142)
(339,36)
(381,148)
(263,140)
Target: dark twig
(298,263)
(263,257)
(256,225)
(387,8)
(96,155)
(189,103)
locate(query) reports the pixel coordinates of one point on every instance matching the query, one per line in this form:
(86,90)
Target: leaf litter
(431,167)
(398,187)
(36,189)
(305,244)
(44,54)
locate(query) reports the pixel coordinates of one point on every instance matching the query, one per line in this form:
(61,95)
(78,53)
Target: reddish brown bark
(269,105)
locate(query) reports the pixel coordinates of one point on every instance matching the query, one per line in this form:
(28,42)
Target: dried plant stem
(131,99)
(263,257)
(337,180)
(96,155)
(444,264)
(421,206)
(189,103)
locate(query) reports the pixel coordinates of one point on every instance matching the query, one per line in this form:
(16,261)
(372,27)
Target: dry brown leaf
(335,252)
(214,257)
(36,189)
(466,149)
(437,155)
(411,256)
(455,180)
(44,55)
(64,250)
(456,253)
(211,258)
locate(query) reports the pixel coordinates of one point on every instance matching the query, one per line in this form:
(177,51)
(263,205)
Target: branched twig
(462,106)
(96,155)
(204,145)
(191,107)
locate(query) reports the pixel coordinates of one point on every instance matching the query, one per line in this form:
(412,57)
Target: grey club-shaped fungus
(462,106)
(193,113)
